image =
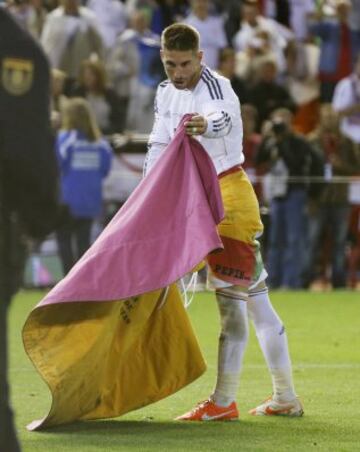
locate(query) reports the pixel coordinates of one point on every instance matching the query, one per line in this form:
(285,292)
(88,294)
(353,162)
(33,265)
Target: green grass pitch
(324,336)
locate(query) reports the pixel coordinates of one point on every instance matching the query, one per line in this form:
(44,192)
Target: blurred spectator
(248,60)
(227,69)
(211,30)
(267,95)
(290,160)
(346,102)
(165,13)
(20,10)
(279,10)
(50,5)
(30,14)
(124,61)
(354,19)
(103,100)
(251,142)
(291,13)
(37,18)
(84,160)
(339,47)
(58,99)
(299,10)
(331,209)
(162,15)
(354,254)
(133,5)
(254,27)
(141,106)
(230,10)
(302,82)
(112,18)
(71,35)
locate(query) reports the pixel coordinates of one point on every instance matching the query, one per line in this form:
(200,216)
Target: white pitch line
(259,366)
(312,366)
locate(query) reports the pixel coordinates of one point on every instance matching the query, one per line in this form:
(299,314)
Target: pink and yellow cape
(113,335)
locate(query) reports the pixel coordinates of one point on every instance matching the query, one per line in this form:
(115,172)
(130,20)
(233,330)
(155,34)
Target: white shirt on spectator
(123,63)
(298,14)
(305,88)
(279,35)
(347,93)
(67,40)
(112,17)
(299,10)
(212,37)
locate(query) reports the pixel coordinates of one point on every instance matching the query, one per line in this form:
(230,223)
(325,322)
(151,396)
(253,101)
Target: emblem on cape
(17,75)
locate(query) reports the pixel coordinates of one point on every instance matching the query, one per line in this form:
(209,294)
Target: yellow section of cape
(103,359)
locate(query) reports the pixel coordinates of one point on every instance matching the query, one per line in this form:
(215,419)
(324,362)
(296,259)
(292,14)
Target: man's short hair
(180,37)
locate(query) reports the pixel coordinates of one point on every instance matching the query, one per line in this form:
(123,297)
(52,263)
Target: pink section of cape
(167,226)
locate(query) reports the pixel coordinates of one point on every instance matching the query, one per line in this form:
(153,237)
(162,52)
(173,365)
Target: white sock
(274,345)
(226,389)
(232,343)
(283,386)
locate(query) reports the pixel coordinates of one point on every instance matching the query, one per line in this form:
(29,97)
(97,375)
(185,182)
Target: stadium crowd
(295,66)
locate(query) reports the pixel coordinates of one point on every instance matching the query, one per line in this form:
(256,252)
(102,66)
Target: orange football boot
(271,407)
(209,411)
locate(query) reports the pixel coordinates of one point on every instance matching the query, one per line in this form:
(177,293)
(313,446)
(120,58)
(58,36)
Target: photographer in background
(28,177)
(290,160)
(267,95)
(329,214)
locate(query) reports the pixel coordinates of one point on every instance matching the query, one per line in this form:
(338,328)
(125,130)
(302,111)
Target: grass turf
(323,331)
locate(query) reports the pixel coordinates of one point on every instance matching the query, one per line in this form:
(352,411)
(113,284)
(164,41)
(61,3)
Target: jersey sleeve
(221,111)
(159,137)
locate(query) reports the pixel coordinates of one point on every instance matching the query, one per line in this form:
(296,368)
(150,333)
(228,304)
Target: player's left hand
(197,125)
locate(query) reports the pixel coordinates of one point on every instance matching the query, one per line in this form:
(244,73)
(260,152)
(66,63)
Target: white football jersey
(212,97)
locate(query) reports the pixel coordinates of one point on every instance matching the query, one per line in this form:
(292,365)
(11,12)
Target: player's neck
(194,81)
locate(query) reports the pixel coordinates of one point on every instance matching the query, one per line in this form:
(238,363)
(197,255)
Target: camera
(279,127)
